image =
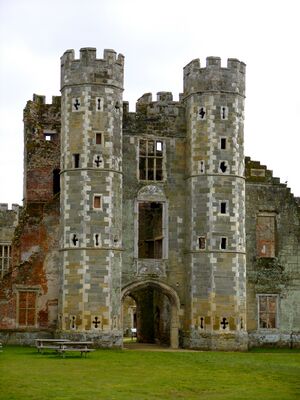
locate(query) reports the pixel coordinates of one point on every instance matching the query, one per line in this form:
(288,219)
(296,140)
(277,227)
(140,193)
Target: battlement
(214,77)
(40,99)
(14,207)
(89,70)
(164,104)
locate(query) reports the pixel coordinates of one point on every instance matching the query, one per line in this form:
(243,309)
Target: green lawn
(138,375)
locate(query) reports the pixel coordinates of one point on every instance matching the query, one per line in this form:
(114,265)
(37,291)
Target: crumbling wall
(41,148)
(34,272)
(275,273)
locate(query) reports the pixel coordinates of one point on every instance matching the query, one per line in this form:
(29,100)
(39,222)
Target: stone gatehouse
(153,219)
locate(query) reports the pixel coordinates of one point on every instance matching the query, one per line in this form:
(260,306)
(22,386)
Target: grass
(138,375)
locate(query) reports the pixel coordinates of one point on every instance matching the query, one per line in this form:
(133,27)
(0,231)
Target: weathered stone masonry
(148,219)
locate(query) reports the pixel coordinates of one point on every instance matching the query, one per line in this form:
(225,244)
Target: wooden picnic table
(62,346)
(48,344)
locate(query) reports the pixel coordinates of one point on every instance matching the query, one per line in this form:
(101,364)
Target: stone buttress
(214,100)
(91,195)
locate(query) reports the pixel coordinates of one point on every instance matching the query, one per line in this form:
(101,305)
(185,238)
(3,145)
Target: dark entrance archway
(157,309)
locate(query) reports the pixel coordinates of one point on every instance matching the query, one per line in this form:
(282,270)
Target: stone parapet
(108,71)
(214,78)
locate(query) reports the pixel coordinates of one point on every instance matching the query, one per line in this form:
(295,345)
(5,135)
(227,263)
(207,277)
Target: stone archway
(138,289)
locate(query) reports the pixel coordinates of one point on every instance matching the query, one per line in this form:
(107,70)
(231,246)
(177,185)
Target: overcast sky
(158,38)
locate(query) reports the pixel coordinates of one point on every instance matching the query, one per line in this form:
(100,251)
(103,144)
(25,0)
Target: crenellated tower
(91,194)
(214,100)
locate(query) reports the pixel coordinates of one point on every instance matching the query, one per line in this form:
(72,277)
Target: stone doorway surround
(171,295)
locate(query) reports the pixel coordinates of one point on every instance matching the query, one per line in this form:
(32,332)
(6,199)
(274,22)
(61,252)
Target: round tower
(91,195)
(214,101)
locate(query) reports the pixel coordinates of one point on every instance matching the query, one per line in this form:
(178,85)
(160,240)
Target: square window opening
(97,202)
(223,243)
(223,207)
(223,143)
(202,243)
(99,138)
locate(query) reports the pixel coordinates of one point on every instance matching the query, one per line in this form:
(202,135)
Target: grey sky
(158,38)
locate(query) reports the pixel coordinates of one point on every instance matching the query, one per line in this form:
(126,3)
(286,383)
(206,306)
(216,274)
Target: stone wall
(76,251)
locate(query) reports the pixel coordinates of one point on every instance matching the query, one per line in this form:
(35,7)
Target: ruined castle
(152,219)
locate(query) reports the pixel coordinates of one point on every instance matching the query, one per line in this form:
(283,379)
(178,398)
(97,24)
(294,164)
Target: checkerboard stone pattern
(214,100)
(91,191)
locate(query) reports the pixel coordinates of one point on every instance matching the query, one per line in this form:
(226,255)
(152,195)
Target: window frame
(155,157)
(27,289)
(98,195)
(5,259)
(259,312)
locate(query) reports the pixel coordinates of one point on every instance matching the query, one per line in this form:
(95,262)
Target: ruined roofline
(255,172)
(41,99)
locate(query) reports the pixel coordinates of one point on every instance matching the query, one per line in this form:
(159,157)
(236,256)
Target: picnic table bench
(62,346)
(82,347)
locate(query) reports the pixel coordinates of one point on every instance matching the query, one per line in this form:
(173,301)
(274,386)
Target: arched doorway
(157,309)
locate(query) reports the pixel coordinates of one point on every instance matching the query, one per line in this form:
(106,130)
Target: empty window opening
(267,310)
(223,243)
(223,143)
(223,207)
(151,160)
(150,230)
(48,137)
(202,243)
(97,240)
(99,138)
(27,308)
(5,258)
(56,181)
(97,202)
(223,166)
(76,159)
